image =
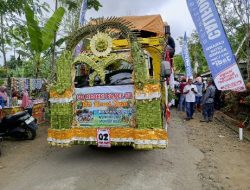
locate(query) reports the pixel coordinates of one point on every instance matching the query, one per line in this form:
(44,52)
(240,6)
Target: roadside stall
(14,101)
(113,92)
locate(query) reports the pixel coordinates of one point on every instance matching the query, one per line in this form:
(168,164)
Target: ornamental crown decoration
(101,44)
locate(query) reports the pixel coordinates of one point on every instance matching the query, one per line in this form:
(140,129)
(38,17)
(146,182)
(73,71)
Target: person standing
(198,96)
(3,96)
(190,90)
(208,102)
(27,103)
(177,92)
(182,95)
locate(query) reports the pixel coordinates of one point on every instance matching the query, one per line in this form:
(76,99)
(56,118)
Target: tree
(70,22)
(10,15)
(74,4)
(2,39)
(41,38)
(73,7)
(196,55)
(14,63)
(235,15)
(179,66)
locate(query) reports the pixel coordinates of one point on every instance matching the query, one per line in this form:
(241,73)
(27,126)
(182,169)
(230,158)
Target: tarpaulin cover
(150,23)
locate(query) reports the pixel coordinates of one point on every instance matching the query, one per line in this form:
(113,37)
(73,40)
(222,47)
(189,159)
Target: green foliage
(27,69)
(171,95)
(196,55)
(235,40)
(235,18)
(144,117)
(41,40)
(34,30)
(63,72)
(11,6)
(14,63)
(94,4)
(51,26)
(18,6)
(75,4)
(61,116)
(73,7)
(1,82)
(19,33)
(3,72)
(100,25)
(179,66)
(140,68)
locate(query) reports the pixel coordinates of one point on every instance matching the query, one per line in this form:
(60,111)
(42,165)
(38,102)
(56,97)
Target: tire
(30,132)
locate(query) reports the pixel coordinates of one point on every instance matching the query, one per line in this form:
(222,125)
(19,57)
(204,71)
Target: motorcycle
(20,126)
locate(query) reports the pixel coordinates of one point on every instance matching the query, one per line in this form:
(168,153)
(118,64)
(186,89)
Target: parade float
(112,94)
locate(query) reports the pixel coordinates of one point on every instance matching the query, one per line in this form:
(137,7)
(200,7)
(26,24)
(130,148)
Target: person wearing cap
(208,102)
(190,90)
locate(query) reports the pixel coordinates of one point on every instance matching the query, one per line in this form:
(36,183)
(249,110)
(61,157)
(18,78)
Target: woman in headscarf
(27,102)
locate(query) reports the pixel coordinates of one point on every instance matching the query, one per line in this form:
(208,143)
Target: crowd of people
(23,97)
(197,95)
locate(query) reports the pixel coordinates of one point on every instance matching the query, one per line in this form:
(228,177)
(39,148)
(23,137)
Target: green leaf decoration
(33,30)
(144,117)
(63,70)
(50,28)
(101,25)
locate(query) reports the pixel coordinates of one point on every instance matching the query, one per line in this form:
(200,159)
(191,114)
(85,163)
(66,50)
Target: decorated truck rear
(112,93)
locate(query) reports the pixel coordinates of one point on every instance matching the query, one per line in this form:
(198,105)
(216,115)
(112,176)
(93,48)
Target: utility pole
(3,41)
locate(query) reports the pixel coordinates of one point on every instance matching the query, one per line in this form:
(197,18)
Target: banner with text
(186,58)
(215,44)
(105,106)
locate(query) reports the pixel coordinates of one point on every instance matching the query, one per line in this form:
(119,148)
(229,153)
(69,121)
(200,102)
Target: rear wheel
(30,132)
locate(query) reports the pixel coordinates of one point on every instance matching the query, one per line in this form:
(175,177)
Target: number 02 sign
(103,138)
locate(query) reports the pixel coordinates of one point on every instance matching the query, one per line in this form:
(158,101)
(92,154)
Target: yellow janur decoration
(101,44)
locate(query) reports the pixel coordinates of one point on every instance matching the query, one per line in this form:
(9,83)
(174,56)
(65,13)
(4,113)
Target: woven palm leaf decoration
(102,25)
(98,64)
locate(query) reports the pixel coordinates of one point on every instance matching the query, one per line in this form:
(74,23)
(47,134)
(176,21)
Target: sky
(174,12)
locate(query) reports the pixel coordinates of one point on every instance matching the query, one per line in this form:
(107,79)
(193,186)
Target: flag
(81,23)
(83,12)
(186,58)
(216,47)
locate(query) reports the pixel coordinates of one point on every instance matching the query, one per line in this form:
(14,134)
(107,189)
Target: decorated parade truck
(112,93)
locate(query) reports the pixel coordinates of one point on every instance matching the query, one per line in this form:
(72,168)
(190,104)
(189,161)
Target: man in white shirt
(190,90)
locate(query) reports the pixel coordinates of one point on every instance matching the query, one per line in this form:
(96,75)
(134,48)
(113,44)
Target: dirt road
(199,156)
